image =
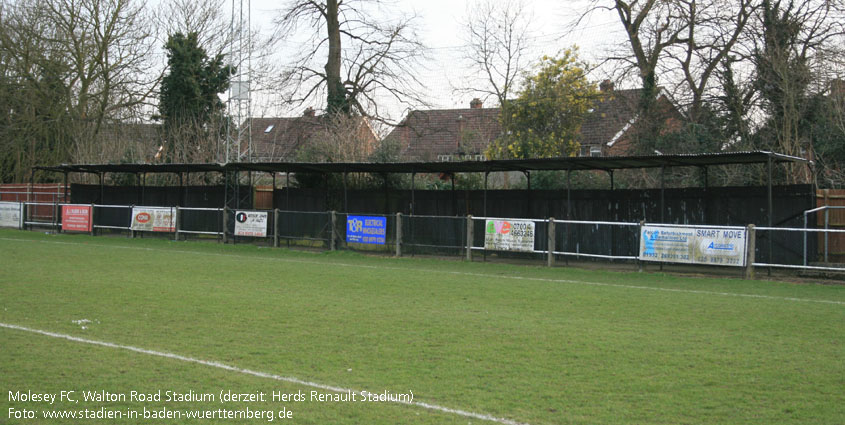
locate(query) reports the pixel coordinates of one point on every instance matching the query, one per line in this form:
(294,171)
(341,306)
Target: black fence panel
(201,220)
(113,216)
(726,206)
(153,196)
(591,240)
(312,227)
(434,235)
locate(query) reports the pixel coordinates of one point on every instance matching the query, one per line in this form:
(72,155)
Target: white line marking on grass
(484,275)
(266,375)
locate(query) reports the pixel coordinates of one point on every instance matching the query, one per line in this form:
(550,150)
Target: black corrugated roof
(574,163)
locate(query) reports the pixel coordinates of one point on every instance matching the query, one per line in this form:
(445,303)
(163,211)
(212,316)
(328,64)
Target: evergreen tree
(189,103)
(545,119)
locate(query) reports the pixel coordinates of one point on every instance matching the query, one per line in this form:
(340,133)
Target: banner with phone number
(509,235)
(151,219)
(704,245)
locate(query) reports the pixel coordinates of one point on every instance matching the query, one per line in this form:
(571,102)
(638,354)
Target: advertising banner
(705,245)
(251,223)
(76,218)
(151,219)
(509,235)
(10,214)
(366,229)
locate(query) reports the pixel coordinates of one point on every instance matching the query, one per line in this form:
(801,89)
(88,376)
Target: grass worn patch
(529,344)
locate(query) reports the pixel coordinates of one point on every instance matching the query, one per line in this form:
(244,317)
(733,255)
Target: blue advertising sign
(366,229)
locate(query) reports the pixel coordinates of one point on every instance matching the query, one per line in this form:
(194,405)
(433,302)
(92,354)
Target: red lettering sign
(76,218)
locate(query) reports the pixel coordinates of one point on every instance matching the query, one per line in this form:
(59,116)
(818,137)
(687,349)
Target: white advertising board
(509,235)
(10,214)
(251,223)
(718,246)
(151,219)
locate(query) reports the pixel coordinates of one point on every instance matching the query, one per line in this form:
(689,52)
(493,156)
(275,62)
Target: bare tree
(652,28)
(365,58)
(497,42)
(78,65)
(107,48)
(206,18)
(713,29)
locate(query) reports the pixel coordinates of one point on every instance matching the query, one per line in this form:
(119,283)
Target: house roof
(276,139)
(612,115)
(428,133)
(279,139)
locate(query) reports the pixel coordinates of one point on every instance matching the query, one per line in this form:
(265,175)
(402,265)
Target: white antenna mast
(239,131)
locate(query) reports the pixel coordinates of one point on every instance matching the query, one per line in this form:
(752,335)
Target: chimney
(475,103)
(309,112)
(606,86)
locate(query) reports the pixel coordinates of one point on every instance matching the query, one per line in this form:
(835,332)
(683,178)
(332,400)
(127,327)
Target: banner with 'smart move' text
(717,246)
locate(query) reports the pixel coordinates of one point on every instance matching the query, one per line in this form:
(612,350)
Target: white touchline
(266,375)
(484,275)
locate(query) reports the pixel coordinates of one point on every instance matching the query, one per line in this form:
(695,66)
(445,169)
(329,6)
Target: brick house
(278,139)
(463,134)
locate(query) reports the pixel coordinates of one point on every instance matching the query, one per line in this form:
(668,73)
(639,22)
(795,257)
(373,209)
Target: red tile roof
(425,135)
(278,139)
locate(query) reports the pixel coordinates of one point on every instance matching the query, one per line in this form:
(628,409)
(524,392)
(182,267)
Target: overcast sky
(439,24)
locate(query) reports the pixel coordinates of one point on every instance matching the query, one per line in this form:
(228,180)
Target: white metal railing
(180,222)
(103,226)
(826,209)
(623,246)
(578,252)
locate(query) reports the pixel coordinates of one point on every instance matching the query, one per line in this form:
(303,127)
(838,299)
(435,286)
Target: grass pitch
(522,344)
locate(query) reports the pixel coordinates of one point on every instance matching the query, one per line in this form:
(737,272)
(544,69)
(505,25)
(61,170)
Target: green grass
(530,344)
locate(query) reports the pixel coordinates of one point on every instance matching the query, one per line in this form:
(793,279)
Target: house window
(595,150)
(444,158)
(479,157)
(269,128)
